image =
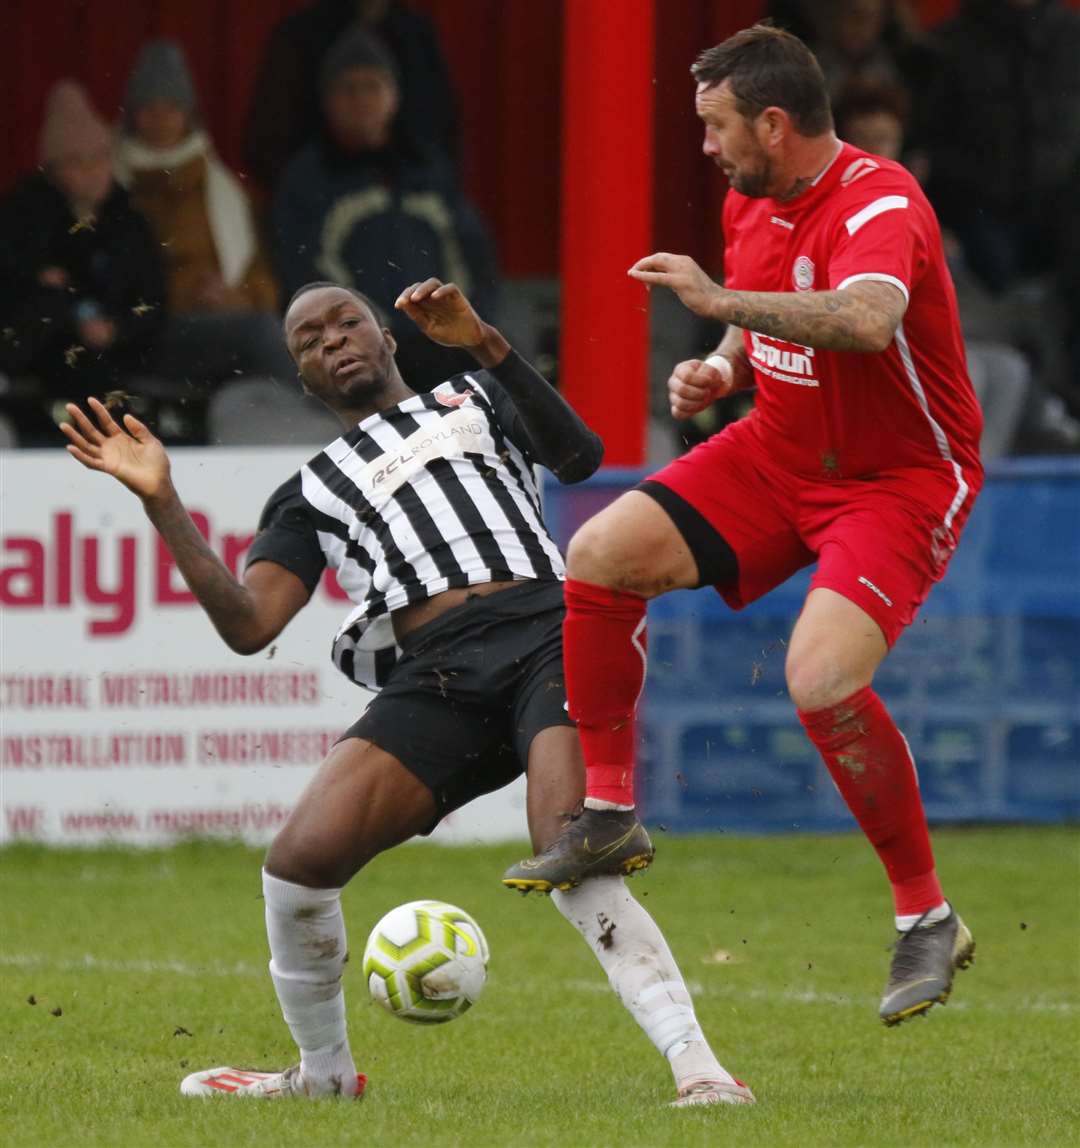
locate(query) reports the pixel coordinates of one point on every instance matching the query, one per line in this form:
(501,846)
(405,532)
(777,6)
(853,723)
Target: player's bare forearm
(862,317)
(229,605)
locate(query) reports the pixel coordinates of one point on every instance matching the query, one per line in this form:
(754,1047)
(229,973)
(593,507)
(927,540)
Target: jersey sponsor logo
(870,586)
(782,222)
(802,274)
(783,361)
(454,399)
(455,434)
(857,169)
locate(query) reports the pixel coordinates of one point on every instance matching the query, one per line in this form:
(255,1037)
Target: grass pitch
(122,971)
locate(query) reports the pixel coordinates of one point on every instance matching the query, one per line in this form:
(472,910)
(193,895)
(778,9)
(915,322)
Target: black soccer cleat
(595,842)
(924,961)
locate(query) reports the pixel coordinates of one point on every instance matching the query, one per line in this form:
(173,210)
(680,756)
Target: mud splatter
(851,763)
(607,930)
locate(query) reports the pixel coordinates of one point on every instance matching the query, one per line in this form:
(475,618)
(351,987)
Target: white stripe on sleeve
(872,210)
(876,277)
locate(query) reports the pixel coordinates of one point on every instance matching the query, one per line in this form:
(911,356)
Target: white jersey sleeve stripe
(873,210)
(876,277)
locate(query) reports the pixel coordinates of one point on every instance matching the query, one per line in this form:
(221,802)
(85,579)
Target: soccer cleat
(713,1092)
(596,842)
(263,1085)
(924,960)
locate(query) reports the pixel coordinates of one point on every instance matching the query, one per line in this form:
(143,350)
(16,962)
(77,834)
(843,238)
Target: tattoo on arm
(863,317)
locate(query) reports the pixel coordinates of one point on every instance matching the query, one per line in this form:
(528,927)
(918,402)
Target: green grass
(157,961)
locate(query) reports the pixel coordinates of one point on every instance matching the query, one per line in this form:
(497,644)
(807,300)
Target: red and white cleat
(713,1092)
(264,1085)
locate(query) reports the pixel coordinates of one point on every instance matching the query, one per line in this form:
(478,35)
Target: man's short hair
(380,315)
(768,67)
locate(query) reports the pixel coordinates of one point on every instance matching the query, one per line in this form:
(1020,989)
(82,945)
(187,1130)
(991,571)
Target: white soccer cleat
(263,1085)
(713,1092)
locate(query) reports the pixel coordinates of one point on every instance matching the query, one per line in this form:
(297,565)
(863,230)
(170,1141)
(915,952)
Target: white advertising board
(123,716)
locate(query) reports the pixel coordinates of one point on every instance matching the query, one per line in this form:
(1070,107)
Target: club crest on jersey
(802,273)
(453,399)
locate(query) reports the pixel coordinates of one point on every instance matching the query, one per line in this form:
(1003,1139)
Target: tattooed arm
(862,317)
(249,614)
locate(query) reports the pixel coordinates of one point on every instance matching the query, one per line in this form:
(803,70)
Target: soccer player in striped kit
(861,454)
(427,509)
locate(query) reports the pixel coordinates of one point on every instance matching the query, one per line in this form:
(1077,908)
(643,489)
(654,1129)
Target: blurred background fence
(985,684)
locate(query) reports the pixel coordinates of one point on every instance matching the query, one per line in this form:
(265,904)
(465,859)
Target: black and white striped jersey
(434,493)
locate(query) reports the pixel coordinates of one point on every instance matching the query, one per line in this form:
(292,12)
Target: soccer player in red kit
(861,454)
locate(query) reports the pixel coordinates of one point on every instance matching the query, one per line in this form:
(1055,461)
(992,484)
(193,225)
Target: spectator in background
(286,108)
(222,294)
(1004,154)
(1002,150)
(362,207)
(867,40)
(81,285)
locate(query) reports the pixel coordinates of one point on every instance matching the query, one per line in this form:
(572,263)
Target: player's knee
(816,680)
(605,553)
(291,858)
(592,555)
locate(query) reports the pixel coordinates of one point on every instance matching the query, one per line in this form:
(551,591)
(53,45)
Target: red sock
(871,764)
(604,654)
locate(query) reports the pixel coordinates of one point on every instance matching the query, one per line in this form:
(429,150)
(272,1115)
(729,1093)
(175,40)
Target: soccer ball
(426,962)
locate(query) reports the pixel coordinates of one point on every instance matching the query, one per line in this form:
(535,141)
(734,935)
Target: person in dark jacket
(286,105)
(362,208)
(1003,149)
(81,282)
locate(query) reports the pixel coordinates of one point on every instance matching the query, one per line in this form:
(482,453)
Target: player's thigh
(878,560)
(547,741)
(632,545)
(736,514)
(362,801)
(835,649)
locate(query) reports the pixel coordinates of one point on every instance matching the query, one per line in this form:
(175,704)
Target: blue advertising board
(985,684)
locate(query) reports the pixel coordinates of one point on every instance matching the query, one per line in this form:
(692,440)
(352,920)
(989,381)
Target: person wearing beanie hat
(81,285)
(360,93)
(285,109)
(221,291)
(160,75)
(357,208)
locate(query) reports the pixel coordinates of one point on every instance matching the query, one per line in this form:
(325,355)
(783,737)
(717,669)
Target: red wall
(506,60)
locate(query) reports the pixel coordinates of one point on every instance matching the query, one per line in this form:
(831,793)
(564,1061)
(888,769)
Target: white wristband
(722,363)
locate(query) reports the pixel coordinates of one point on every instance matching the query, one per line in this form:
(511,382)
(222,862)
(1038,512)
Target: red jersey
(845,414)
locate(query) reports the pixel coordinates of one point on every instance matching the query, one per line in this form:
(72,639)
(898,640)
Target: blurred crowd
(135,264)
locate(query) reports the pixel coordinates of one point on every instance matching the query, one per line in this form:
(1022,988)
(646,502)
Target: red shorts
(881,542)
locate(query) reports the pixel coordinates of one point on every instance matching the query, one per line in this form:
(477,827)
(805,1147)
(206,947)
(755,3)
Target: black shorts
(471,690)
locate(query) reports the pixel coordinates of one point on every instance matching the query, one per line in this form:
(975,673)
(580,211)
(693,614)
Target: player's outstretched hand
(130,453)
(443,313)
(682,275)
(695,385)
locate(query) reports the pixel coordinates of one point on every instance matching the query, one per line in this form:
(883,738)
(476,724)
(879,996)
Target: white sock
(937,913)
(307,956)
(599,803)
(632,950)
